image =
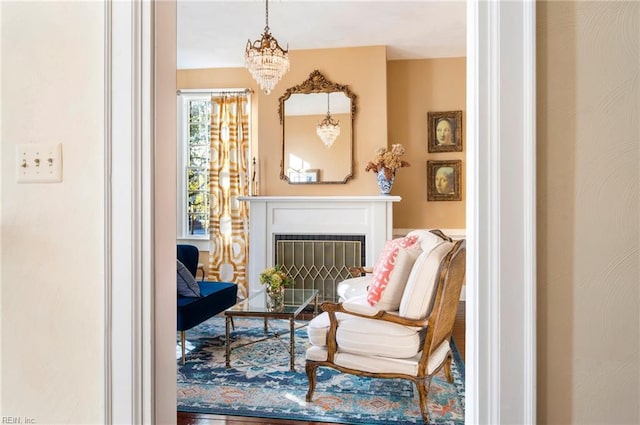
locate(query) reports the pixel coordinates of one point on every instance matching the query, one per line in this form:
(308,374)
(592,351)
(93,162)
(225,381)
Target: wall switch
(39,163)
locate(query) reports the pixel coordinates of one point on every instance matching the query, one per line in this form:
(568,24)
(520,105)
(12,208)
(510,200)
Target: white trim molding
(500,228)
(452,233)
(501,289)
(129,117)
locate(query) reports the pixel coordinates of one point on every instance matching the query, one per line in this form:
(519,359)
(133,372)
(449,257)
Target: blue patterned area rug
(260,384)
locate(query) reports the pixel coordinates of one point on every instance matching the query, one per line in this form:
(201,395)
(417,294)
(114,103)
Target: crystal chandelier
(265,59)
(328,129)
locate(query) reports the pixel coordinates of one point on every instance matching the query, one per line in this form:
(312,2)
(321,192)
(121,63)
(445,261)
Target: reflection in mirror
(307,159)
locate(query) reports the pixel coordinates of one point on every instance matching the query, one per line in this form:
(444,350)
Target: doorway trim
(501,193)
(501,343)
(128,223)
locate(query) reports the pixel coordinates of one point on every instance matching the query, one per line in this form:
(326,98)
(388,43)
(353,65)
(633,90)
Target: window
(194,156)
(194,152)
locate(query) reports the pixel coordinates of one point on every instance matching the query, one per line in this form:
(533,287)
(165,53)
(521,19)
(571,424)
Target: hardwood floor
(202,419)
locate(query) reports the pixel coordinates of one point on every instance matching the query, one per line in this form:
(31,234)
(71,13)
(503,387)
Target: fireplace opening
(319,261)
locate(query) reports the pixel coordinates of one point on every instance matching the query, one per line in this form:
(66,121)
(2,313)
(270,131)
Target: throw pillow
(384,266)
(392,293)
(187,285)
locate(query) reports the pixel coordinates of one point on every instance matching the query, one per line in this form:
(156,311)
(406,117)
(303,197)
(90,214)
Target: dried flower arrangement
(387,160)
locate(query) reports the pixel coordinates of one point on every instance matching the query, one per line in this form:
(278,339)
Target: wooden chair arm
(333,308)
(359,271)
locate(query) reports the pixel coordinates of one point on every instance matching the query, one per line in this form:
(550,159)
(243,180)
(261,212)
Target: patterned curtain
(229,164)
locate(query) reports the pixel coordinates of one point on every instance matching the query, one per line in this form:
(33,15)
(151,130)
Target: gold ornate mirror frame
(317,83)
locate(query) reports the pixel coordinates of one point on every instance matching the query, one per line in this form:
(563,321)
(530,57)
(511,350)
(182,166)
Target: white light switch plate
(39,163)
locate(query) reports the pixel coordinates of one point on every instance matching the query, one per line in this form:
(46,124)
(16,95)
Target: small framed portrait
(445,131)
(443,180)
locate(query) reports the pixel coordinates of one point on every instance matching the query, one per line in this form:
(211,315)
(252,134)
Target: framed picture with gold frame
(445,131)
(443,180)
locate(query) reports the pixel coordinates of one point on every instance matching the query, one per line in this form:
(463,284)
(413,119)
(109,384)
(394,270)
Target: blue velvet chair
(215,296)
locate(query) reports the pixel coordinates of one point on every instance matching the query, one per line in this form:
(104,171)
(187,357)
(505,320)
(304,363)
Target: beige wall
(414,88)
(362,69)
(588,162)
(393,101)
(52,234)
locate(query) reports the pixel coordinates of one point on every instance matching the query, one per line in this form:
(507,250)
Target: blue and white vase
(384,183)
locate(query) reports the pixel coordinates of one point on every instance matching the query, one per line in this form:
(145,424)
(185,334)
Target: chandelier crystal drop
(265,59)
(328,129)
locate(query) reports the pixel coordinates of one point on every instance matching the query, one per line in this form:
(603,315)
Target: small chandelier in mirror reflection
(265,59)
(328,129)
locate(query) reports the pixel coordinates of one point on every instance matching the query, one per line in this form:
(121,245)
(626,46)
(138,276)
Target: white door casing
(501,380)
(501,286)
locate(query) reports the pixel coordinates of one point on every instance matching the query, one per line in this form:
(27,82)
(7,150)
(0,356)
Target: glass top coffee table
(256,306)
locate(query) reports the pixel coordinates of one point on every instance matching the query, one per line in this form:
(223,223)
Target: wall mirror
(306,157)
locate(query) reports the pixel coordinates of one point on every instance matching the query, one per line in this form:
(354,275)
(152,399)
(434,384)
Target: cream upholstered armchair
(402,325)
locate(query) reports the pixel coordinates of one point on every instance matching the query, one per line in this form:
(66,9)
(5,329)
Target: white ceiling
(214,34)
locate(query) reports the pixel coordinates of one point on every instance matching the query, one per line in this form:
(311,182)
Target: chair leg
(310,368)
(423,390)
(182,340)
(447,368)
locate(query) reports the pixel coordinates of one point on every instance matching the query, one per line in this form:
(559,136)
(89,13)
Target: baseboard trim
(453,233)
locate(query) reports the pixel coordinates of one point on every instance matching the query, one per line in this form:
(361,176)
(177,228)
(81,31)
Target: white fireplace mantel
(371,216)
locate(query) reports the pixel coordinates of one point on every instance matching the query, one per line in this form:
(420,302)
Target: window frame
(182,154)
(183,97)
